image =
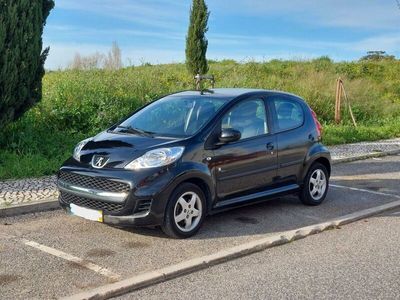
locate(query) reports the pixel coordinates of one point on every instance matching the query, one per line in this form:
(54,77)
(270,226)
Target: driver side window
(248,117)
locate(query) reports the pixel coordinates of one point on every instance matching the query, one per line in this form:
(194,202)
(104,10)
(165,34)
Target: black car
(191,154)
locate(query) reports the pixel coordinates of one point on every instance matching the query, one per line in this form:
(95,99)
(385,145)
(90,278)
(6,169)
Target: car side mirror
(229,135)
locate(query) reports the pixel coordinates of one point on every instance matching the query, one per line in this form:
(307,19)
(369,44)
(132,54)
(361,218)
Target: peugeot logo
(99,162)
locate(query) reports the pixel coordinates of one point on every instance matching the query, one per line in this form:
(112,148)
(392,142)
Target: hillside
(77,104)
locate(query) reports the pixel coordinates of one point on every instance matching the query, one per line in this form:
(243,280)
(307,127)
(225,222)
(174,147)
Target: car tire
(185,211)
(316,184)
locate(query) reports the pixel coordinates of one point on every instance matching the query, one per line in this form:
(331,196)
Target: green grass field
(78,104)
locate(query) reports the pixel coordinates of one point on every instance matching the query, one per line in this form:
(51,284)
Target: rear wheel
(315,186)
(185,211)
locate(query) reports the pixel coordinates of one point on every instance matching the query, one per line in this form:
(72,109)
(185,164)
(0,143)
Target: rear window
(289,113)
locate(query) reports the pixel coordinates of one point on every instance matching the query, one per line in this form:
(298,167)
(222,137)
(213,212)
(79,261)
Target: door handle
(270,146)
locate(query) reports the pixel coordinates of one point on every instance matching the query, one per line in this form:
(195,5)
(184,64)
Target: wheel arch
(201,179)
(202,184)
(319,157)
(325,162)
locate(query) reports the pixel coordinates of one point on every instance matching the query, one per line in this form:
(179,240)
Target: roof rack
(199,78)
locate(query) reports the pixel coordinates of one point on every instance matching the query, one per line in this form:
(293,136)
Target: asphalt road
(48,255)
(359,261)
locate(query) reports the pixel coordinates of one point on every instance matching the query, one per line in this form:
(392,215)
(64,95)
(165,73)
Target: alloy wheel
(317,184)
(188,211)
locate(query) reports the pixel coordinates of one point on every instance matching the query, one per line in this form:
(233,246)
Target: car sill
(255,196)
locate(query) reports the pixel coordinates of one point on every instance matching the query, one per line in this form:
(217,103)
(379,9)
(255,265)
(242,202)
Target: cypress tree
(21,56)
(196,42)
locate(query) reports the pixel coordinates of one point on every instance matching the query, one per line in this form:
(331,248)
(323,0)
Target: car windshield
(175,116)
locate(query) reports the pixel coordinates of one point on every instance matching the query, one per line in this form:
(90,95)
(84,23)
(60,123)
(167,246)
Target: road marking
(86,264)
(363,190)
(389,175)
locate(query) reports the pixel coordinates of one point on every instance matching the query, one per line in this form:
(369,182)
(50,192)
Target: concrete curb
(199,263)
(365,156)
(53,204)
(26,208)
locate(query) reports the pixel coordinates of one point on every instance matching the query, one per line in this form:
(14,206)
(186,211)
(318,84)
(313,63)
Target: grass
(78,104)
(335,135)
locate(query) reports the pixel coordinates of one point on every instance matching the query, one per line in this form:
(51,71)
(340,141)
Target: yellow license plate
(86,213)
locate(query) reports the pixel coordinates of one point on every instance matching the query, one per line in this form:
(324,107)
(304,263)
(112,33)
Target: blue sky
(154,30)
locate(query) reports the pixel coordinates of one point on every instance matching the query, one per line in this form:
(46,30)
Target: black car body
(270,153)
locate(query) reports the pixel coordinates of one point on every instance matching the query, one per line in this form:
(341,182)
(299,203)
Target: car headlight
(156,158)
(78,148)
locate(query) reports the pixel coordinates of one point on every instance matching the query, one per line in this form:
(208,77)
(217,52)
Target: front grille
(143,206)
(97,183)
(89,203)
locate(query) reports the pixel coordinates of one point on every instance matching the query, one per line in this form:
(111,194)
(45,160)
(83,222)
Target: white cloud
(387,42)
(61,54)
(373,14)
(143,21)
(158,13)
(73,31)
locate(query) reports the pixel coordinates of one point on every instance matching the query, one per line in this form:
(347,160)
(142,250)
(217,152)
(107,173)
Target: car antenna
(199,78)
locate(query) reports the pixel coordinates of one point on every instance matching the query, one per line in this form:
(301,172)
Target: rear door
(292,141)
(249,164)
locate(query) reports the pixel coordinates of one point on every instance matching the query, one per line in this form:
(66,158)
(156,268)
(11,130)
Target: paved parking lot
(337,264)
(51,254)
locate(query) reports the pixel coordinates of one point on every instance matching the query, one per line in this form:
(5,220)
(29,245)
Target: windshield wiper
(133,130)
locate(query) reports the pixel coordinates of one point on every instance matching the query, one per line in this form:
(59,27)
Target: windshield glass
(177,116)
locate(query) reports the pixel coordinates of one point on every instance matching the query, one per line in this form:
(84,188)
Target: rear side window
(289,113)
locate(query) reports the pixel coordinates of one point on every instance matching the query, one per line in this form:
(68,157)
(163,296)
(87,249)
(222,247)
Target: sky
(154,31)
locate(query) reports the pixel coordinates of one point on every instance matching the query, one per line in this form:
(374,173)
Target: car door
(249,164)
(292,141)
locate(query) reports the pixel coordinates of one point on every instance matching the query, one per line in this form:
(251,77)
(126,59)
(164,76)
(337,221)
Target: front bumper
(139,219)
(126,198)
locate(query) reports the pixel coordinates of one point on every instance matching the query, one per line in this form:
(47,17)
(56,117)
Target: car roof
(229,93)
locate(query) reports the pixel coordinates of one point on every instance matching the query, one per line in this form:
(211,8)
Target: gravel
(360,149)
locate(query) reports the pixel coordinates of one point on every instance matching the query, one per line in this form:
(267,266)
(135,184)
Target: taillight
(317,124)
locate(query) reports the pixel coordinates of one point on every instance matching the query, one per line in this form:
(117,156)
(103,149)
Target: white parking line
(86,264)
(363,190)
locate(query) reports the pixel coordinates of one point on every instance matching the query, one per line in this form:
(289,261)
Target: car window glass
(248,117)
(289,113)
(175,115)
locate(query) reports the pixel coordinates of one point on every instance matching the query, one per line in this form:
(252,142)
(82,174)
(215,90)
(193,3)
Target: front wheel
(315,185)
(185,211)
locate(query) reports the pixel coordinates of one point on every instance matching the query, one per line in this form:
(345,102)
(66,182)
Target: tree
(21,56)
(90,62)
(110,61)
(377,55)
(113,61)
(196,42)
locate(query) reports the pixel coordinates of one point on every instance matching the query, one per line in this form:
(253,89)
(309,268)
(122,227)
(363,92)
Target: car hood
(120,149)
